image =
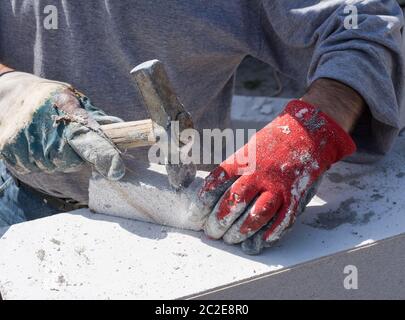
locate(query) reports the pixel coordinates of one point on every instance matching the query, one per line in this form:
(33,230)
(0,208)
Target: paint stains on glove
(54,130)
(292,153)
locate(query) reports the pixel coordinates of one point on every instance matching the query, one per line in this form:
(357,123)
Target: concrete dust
(146,195)
(41,255)
(339,178)
(400,175)
(343,214)
(376,197)
(55,241)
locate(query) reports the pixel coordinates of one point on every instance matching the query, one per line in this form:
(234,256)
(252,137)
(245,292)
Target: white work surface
(84,255)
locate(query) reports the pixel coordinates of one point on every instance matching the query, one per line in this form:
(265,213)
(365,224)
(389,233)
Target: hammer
(164,109)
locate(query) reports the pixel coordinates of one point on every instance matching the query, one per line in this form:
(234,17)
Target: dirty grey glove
(49,127)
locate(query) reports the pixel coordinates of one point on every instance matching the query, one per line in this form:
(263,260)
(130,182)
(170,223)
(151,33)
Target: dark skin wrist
(340,102)
(4,69)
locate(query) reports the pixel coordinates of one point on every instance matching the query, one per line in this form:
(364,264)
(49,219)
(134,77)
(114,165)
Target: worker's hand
(292,153)
(47,126)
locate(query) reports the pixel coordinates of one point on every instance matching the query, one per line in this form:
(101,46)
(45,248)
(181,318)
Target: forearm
(340,102)
(368,59)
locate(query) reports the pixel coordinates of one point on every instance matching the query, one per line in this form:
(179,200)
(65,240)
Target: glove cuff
(335,142)
(20,96)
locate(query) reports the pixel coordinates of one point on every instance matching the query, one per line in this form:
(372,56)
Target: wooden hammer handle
(133,134)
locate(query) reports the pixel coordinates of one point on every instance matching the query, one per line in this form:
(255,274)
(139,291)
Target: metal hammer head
(164,107)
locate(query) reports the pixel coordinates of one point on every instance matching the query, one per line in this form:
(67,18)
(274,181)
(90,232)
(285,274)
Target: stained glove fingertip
(253,245)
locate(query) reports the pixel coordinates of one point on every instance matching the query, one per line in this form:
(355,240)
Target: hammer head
(164,109)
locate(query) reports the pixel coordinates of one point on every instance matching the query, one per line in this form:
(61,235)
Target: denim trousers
(18,204)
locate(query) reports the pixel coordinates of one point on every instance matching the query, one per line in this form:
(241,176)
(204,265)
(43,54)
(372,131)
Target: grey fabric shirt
(98,42)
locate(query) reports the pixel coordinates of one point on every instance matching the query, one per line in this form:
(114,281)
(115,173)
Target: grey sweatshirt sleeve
(316,39)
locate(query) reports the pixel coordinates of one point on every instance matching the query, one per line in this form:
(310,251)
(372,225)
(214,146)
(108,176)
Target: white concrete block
(147,196)
(375,271)
(82,255)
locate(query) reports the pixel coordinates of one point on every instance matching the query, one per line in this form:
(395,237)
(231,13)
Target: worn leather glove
(292,152)
(49,127)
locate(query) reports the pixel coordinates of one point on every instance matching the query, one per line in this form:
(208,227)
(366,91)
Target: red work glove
(292,152)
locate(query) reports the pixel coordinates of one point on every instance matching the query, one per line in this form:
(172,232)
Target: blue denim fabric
(17,204)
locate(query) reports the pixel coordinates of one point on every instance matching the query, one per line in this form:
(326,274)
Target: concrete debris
(147,196)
